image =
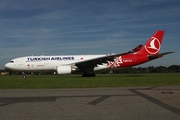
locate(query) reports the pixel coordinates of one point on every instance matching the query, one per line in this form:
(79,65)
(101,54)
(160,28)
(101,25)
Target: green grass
(101,80)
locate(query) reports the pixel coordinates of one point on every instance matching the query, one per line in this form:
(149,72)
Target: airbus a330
(87,64)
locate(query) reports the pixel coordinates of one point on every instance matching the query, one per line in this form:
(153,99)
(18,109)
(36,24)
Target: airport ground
(76,81)
(120,103)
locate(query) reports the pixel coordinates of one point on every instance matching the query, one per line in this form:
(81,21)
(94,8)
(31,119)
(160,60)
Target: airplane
(87,64)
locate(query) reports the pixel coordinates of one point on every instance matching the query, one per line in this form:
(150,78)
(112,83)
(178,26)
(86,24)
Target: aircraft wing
(151,57)
(95,61)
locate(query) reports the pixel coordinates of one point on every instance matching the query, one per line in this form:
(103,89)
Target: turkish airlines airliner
(87,64)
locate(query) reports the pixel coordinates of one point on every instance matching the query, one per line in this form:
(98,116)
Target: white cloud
(68,27)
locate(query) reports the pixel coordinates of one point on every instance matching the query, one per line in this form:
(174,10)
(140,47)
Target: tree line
(133,70)
(139,70)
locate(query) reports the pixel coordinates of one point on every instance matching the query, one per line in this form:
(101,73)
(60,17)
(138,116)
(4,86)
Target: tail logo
(153,46)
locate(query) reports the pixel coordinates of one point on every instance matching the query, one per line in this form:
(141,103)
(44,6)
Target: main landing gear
(88,75)
(88,71)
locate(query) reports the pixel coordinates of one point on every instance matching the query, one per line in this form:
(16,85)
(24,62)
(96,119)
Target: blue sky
(59,27)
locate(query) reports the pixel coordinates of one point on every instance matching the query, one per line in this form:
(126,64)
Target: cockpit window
(11,61)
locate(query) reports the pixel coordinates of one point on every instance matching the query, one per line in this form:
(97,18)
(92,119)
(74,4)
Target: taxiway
(91,104)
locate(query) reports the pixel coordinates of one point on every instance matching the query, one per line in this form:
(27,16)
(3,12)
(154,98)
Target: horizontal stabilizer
(152,57)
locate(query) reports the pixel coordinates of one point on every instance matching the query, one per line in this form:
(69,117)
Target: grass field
(76,81)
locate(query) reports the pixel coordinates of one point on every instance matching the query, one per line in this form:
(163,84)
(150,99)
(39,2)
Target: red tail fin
(153,45)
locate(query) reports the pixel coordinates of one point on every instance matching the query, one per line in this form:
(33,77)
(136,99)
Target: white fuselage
(49,63)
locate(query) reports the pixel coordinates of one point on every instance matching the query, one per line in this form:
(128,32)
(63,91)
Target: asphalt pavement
(124,103)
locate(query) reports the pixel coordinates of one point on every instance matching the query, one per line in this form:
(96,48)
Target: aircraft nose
(7,65)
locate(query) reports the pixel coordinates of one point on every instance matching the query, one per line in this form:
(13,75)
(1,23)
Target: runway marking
(13,100)
(167,92)
(157,102)
(4,101)
(102,98)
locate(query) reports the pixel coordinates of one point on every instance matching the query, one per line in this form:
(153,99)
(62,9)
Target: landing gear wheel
(93,75)
(88,75)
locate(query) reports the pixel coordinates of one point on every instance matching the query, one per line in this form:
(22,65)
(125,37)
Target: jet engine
(61,70)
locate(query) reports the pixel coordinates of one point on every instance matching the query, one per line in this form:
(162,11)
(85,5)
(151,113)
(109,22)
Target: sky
(69,27)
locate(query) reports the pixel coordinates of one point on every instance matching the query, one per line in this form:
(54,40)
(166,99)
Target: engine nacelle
(61,70)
